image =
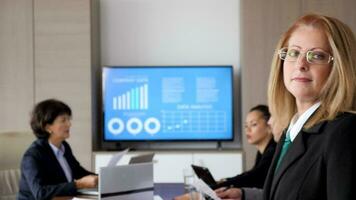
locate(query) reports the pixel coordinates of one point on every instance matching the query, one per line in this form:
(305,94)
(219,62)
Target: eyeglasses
(318,57)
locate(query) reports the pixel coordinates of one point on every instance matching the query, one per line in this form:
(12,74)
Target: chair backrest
(12,147)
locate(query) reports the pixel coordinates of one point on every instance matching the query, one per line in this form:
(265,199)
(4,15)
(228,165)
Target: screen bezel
(131,143)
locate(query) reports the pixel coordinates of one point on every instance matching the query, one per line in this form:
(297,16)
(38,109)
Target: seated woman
(259,134)
(48,167)
(251,193)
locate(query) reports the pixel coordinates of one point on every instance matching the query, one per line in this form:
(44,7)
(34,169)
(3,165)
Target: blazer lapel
(60,173)
(270,175)
(295,151)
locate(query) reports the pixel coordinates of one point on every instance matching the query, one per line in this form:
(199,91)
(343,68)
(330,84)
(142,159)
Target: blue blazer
(319,164)
(42,176)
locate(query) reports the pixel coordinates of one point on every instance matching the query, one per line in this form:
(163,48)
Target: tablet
(204,174)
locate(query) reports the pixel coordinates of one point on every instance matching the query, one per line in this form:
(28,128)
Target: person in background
(312,88)
(48,167)
(258,133)
(251,193)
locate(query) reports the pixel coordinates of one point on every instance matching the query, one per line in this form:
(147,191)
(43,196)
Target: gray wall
(174,32)
(45,51)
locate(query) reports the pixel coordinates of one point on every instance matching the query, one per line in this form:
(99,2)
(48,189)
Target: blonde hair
(338,93)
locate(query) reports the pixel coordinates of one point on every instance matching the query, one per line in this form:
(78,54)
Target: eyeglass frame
(280,51)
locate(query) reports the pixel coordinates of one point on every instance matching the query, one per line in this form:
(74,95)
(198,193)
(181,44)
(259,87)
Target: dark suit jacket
(319,164)
(42,176)
(257,175)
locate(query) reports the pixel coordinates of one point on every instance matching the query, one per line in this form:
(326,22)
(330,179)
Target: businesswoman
(258,133)
(48,167)
(312,88)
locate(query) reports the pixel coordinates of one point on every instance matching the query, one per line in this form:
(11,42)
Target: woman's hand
(229,194)
(89,181)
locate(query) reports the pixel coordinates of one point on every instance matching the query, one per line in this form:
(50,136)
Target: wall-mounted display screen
(168,103)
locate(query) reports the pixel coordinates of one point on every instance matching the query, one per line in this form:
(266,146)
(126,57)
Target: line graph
(194,121)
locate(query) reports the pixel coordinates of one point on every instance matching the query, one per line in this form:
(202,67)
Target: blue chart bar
(134,99)
(132,102)
(145,96)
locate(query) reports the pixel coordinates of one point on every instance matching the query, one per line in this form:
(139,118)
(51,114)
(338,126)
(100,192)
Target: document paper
(116,158)
(202,187)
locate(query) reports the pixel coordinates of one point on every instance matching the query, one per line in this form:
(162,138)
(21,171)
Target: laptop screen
(146,158)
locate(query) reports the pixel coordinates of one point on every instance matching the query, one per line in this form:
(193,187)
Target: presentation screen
(168,103)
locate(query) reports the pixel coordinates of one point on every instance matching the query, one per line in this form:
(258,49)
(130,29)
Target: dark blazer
(319,164)
(257,175)
(42,176)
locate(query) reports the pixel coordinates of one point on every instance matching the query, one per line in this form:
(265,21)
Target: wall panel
(63,64)
(342,9)
(16,64)
(262,24)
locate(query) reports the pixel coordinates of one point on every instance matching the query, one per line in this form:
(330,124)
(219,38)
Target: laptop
(112,163)
(204,174)
(88,191)
(145,158)
(125,182)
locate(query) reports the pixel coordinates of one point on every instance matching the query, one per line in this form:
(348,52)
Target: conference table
(165,190)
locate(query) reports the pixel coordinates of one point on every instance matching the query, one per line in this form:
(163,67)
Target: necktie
(286,144)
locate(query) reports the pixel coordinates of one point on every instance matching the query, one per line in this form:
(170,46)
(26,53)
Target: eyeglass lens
(312,56)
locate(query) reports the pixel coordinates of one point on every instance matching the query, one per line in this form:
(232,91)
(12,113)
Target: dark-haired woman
(48,167)
(259,134)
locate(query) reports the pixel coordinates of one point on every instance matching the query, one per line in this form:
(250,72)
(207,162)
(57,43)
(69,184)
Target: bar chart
(134,99)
